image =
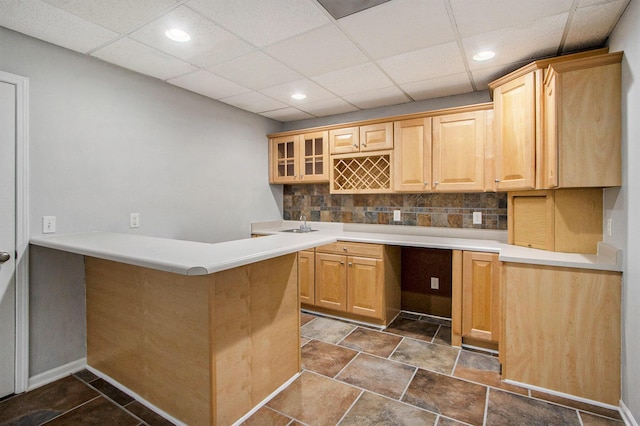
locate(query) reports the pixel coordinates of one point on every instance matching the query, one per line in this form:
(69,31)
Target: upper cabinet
(302,158)
(373,137)
(557,123)
(412,155)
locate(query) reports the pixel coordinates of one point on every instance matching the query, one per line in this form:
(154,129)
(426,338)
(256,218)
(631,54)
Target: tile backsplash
(453,210)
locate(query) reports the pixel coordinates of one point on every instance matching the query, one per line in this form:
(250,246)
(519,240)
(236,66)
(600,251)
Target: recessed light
(299,96)
(177,35)
(484,56)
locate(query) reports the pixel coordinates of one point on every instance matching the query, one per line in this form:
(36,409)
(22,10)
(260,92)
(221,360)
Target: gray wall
(624,204)
(105,142)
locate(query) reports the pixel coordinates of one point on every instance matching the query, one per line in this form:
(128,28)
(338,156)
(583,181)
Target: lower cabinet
(476,310)
(355,280)
(306,276)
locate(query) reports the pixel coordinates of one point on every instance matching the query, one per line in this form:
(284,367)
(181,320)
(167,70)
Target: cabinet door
(459,152)
(365,287)
(344,141)
(306,277)
(331,281)
(481,274)
(376,137)
(284,159)
(412,155)
(314,157)
(515,133)
(550,174)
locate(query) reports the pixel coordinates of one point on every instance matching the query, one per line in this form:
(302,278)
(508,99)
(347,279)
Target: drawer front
(353,249)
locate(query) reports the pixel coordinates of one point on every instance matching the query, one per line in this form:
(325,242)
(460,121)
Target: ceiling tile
(254,102)
(586,3)
(318,51)
(591,25)
(535,40)
(283,92)
(361,78)
(399,26)
(40,20)
(378,98)
(328,107)
(286,114)
(256,71)
(122,16)
(424,64)
(438,87)
(250,19)
(209,45)
(143,59)
(208,84)
(483,16)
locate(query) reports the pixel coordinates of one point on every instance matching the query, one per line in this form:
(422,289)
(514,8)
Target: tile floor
(352,375)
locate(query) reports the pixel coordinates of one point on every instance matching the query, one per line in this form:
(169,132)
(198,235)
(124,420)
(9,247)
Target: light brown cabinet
(565,220)
(582,123)
(557,123)
(306,276)
(302,158)
(357,280)
(412,155)
(562,330)
(372,137)
(459,145)
(481,274)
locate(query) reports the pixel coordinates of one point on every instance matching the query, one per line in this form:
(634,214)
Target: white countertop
(181,257)
(607,259)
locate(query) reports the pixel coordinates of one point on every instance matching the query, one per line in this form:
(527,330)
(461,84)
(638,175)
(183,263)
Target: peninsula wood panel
(456,298)
(306,277)
(458,159)
(562,330)
(412,155)
(515,133)
(196,347)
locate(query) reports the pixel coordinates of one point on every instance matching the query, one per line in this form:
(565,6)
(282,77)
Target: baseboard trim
(564,395)
(267,399)
(56,373)
(135,396)
(627,417)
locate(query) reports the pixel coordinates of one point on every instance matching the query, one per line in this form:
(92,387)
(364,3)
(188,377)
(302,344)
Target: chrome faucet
(304,226)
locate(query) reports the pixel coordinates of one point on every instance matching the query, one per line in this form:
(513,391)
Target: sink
(299,231)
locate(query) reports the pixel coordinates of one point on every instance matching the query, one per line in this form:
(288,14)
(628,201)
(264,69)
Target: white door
(7,238)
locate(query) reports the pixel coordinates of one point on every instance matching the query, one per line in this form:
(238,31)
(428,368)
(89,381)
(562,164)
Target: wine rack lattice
(366,174)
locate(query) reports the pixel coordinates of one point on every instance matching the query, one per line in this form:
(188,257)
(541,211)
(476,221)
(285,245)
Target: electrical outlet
(48,224)
(477,218)
(435,283)
(134,220)
(397,215)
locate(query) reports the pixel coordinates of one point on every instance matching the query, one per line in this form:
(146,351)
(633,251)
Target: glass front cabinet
(301,158)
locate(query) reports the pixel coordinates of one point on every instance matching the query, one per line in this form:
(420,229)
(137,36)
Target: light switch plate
(435,283)
(134,220)
(397,215)
(477,218)
(48,224)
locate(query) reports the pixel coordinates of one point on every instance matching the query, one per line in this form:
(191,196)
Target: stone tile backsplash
(439,210)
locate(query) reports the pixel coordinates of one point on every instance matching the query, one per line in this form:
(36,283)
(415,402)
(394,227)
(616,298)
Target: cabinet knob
(350,264)
(497,180)
(344,248)
(355,145)
(426,183)
(435,183)
(342,262)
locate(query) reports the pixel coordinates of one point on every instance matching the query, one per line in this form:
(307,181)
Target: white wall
(623,204)
(105,142)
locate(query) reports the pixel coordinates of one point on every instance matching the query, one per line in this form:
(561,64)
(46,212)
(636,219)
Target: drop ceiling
(254,54)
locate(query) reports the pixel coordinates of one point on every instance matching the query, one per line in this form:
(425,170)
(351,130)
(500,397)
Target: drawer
(353,249)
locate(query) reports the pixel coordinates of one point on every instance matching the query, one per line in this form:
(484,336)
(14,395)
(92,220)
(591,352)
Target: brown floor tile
(409,315)
(377,375)
(86,376)
(429,356)
(304,341)
(112,392)
(325,358)
(583,406)
(436,320)
(593,420)
(510,409)
(371,341)
(445,421)
(96,412)
(266,417)
(149,416)
(46,402)
(305,318)
(417,329)
(449,396)
(315,399)
(372,409)
(327,330)
(484,369)
(443,336)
